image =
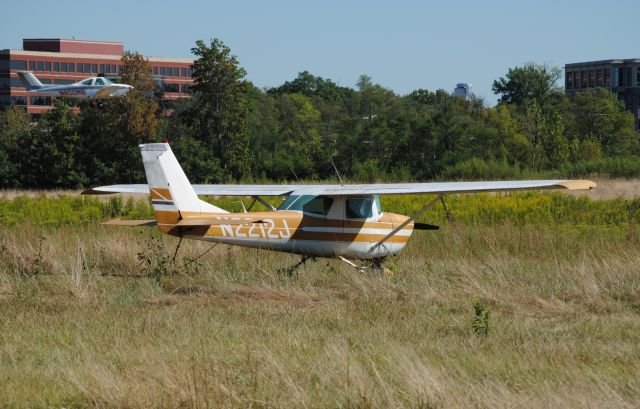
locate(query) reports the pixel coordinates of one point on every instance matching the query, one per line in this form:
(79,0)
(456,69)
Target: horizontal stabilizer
(425,226)
(203,221)
(139,223)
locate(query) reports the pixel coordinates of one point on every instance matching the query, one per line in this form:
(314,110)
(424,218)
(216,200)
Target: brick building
(63,61)
(619,76)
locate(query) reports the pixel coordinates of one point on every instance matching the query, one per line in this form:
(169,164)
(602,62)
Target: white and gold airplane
(88,88)
(344,221)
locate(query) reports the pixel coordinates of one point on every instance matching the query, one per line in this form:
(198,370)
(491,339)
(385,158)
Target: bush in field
(480,321)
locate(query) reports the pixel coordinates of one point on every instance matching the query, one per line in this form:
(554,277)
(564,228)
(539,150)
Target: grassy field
(95,316)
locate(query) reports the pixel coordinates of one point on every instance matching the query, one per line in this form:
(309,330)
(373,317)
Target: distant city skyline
(403,45)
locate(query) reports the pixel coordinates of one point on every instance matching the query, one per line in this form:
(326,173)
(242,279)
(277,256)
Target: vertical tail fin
(172,195)
(29,80)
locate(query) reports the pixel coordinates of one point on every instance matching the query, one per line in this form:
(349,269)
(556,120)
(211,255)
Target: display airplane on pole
(344,221)
(89,88)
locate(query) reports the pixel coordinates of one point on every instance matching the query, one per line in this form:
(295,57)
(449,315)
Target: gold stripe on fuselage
(288,225)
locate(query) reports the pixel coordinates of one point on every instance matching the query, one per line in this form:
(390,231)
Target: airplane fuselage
(297,232)
(79,91)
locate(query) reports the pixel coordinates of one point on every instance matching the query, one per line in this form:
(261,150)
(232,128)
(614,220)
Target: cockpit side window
(359,208)
(87,81)
(99,81)
(319,205)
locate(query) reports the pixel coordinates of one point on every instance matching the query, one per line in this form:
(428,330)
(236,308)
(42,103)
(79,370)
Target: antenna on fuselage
(293,171)
(337,173)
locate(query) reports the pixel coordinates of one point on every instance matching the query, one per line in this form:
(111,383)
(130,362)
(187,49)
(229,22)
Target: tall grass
(88,319)
(488,209)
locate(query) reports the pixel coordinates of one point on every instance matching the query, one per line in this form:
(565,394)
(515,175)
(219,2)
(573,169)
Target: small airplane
(337,221)
(91,88)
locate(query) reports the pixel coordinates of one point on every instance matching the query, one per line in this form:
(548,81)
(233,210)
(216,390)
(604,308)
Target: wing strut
(264,202)
(409,220)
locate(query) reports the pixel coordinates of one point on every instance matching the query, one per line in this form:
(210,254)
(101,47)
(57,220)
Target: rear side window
(360,208)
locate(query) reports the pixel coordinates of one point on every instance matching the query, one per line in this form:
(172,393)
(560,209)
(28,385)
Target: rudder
(29,80)
(172,195)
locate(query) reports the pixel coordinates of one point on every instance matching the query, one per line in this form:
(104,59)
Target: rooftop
(620,61)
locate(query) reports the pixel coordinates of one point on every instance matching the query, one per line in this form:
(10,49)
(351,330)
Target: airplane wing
(106,91)
(363,189)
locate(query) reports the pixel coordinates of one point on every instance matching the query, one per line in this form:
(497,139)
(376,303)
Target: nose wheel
(376,266)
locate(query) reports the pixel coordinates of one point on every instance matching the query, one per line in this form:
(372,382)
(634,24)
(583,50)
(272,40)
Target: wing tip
(581,184)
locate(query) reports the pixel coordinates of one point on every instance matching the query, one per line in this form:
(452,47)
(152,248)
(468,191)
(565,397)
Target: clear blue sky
(403,45)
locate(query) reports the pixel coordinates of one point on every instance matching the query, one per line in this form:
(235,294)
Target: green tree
(599,116)
(49,153)
(136,72)
(531,82)
(221,107)
(14,126)
(112,129)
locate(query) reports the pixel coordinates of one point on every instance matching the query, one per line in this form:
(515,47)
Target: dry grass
(85,324)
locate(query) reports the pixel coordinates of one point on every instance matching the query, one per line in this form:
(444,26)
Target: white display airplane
(93,87)
(344,221)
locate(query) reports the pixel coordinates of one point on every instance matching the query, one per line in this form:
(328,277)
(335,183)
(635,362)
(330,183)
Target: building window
(47,81)
(620,81)
(80,68)
(94,68)
(47,66)
(628,77)
(87,68)
(187,89)
(120,69)
(599,80)
(183,72)
(161,71)
(102,68)
(64,82)
(155,70)
(18,100)
(41,101)
(32,65)
(17,65)
(56,67)
(171,88)
(176,71)
(638,76)
(40,66)
(584,82)
(113,68)
(607,78)
(72,67)
(191,72)
(568,80)
(63,67)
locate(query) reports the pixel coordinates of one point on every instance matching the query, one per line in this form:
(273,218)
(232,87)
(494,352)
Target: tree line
(231,131)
